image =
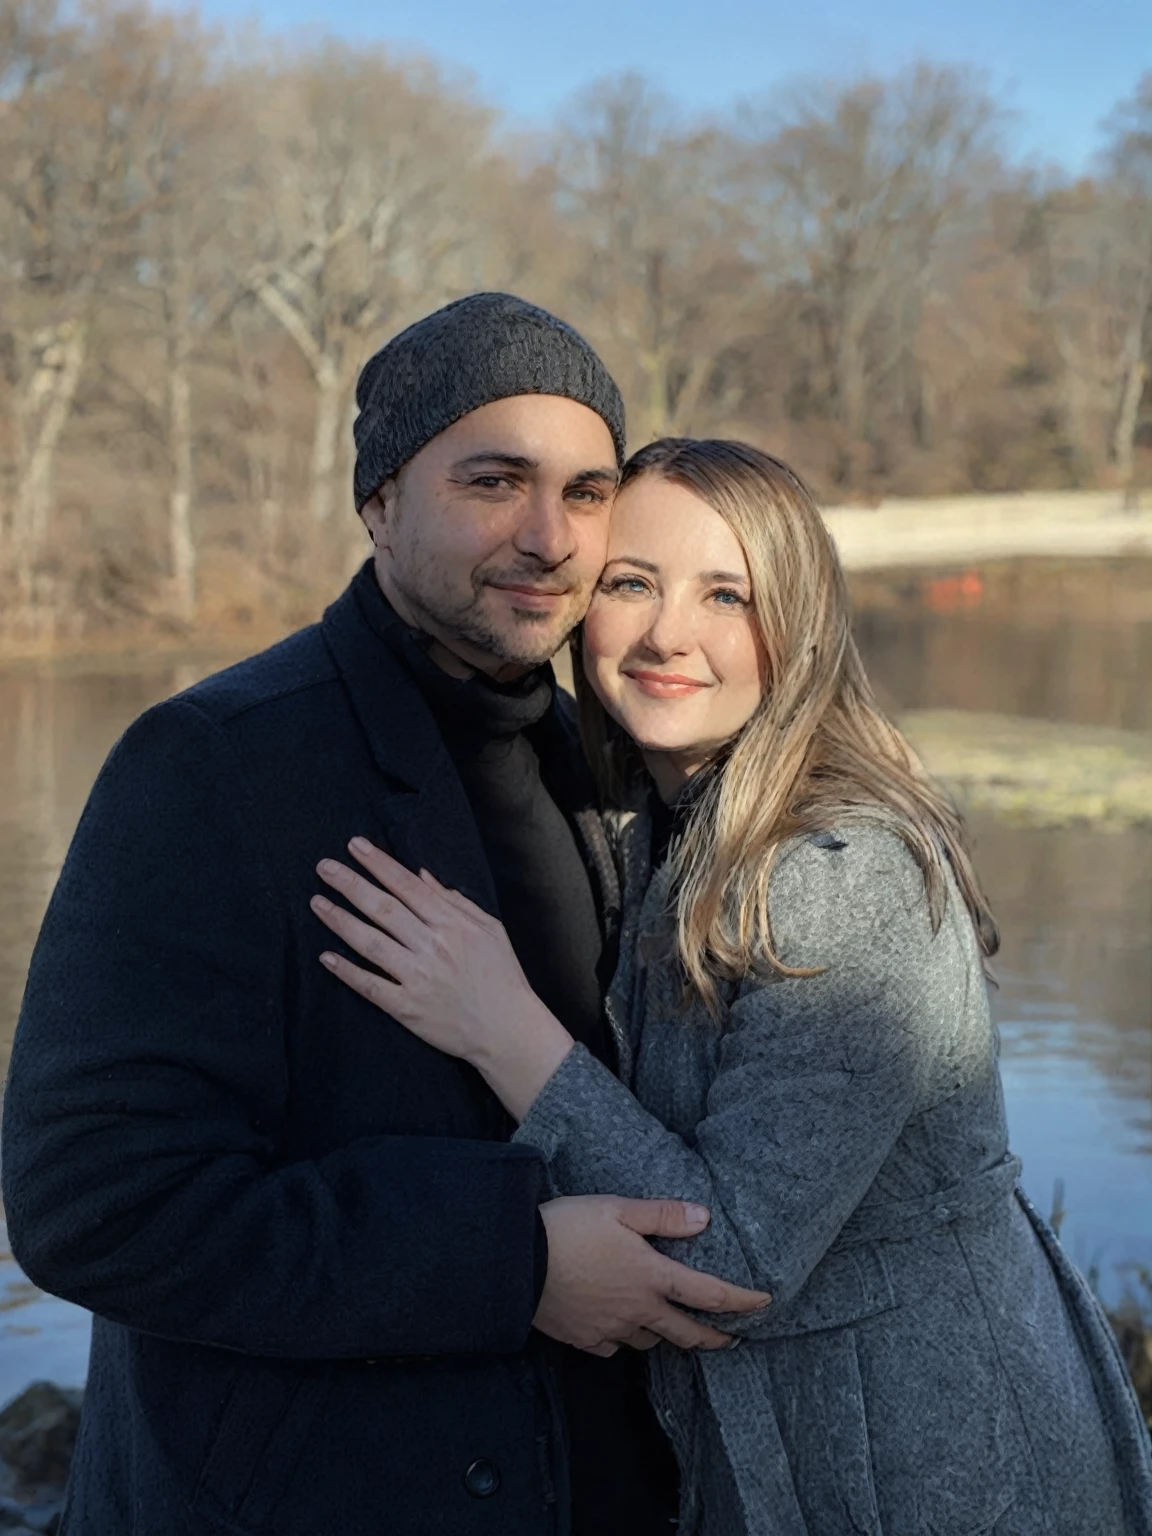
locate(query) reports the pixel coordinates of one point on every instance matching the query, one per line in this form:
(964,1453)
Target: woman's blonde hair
(816,752)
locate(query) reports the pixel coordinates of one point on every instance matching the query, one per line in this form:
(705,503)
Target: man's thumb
(663,1218)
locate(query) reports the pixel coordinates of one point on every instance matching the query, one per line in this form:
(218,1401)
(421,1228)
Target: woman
(805,1048)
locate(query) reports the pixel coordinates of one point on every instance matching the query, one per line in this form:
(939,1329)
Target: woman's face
(671,643)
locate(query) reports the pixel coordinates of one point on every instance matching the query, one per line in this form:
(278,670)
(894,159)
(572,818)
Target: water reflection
(1061,640)
(1074,1007)
(1075,1001)
(1055,639)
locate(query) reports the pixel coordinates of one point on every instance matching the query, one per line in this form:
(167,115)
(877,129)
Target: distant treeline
(202,238)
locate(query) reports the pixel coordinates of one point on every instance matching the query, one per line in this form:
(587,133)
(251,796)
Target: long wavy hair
(817,751)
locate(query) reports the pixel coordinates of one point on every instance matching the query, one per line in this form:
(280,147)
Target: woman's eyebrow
(735,576)
(643,565)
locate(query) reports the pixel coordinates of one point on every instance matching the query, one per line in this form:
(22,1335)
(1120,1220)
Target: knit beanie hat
(479,349)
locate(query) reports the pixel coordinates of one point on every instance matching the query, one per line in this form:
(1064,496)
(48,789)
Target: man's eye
(491,482)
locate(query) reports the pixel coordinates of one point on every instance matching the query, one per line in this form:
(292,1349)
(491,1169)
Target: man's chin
(528,639)
(528,644)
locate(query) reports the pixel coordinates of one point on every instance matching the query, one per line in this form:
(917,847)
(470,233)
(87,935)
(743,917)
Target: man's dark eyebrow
(610,476)
(494,456)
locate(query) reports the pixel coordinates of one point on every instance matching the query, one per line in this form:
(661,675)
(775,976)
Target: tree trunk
(1076,414)
(654,417)
(924,414)
(44,414)
(1124,438)
(181,539)
(326,438)
(850,383)
(261,480)
(688,399)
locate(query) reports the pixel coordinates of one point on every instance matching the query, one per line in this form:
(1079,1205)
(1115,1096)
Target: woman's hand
(450,973)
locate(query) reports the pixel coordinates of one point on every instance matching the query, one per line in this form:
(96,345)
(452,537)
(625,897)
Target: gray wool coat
(931,1364)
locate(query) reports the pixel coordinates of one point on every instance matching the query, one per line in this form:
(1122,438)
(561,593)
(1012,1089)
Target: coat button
(482,1479)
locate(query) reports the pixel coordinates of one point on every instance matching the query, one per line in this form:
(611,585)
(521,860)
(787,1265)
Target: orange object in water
(954,594)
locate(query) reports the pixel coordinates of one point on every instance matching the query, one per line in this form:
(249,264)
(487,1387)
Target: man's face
(491,539)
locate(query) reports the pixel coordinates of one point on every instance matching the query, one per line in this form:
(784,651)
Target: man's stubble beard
(534,638)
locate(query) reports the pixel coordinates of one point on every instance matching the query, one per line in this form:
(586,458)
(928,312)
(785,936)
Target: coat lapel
(426,815)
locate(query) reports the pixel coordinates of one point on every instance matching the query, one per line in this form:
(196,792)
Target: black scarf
(502,738)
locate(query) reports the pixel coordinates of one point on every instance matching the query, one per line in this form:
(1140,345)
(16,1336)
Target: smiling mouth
(666,685)
(531,597)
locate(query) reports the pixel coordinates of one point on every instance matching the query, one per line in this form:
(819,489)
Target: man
(314,1258)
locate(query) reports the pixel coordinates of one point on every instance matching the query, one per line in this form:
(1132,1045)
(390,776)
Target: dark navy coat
(310,1247)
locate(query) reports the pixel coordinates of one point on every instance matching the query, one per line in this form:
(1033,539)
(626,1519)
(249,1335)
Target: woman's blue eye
(729,599)
(627,584)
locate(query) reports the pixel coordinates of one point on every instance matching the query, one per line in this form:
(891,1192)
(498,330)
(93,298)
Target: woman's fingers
(415,893)
(384,910)
(460,902)
(366,940)
(386,995)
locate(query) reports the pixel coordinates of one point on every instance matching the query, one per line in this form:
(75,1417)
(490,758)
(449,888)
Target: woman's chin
(666,745)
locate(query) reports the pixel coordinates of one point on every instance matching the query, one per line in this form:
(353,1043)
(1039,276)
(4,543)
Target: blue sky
(1060,64)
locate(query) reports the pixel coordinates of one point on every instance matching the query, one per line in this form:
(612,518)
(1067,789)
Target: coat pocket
(843,1289)
(262,1432)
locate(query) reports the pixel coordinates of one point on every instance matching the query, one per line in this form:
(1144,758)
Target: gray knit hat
(479,349)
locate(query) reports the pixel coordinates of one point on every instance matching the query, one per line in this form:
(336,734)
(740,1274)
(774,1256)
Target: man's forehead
(529,425)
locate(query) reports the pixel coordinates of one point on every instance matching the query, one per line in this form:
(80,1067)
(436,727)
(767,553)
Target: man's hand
(608,1286)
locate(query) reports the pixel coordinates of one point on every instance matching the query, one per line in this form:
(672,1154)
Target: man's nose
(546,531)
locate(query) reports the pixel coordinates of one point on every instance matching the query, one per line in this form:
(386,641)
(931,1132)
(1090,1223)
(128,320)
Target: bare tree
(1099,296)
(199,246)
(195,164)
(1130,161)
(863,183)
(69,143)
(369,203)
(657,247)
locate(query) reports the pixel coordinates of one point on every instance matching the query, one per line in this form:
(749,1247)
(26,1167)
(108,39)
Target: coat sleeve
(148,1079)
(816,1078)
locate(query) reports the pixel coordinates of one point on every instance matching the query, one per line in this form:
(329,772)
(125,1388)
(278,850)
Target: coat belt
(896,1220)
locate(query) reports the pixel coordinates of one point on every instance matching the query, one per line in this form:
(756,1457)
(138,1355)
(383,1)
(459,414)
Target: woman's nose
(670,632)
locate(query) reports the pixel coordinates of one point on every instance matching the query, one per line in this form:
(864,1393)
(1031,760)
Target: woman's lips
(665,685)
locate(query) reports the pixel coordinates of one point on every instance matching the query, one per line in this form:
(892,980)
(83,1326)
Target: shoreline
(971,530)
(1038,773)
(932,533)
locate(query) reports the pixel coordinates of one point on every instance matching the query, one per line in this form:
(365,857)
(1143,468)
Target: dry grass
(1040,772)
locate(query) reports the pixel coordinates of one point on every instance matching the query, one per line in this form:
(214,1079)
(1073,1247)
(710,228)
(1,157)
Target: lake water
(1074,1005)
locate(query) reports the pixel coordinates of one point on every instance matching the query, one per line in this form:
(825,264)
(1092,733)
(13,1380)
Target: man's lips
(665,685)
(531,596)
